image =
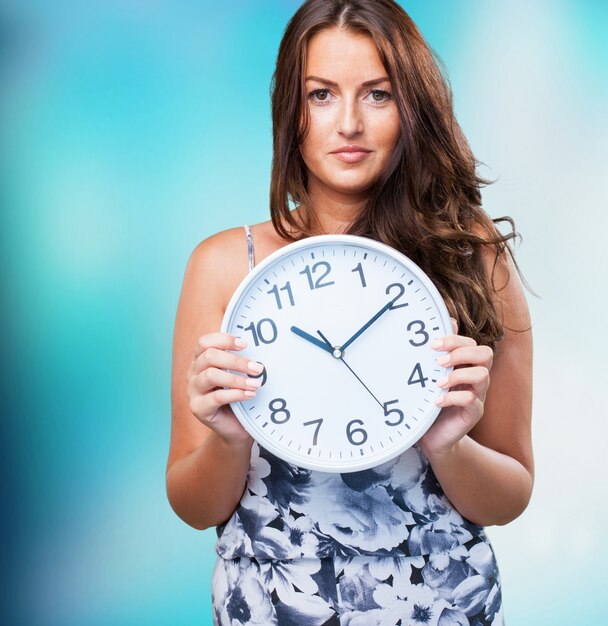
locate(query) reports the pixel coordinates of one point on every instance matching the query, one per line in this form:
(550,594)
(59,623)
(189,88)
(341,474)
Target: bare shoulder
(215,269)
(505,425)
(224,255)
(218,264)
(266,240)
(506,284)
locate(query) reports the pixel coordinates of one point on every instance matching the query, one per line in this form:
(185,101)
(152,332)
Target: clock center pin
(337,352)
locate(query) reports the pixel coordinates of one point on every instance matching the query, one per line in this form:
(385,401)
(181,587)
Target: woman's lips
(351,154)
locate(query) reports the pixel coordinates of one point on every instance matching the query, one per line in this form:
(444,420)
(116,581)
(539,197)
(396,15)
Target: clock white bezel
(350,465)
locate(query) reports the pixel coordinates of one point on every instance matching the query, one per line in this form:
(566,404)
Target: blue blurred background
(133,129)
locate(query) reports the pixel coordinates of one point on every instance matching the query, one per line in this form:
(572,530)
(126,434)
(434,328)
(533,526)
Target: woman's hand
(211,388)
(463,405)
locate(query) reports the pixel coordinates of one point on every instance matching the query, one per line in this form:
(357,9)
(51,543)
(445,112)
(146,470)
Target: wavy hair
(427,202)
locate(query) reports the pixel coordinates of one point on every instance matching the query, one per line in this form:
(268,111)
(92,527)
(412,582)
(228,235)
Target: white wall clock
(343,326)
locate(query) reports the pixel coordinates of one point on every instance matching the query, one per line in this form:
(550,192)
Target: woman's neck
(333,215)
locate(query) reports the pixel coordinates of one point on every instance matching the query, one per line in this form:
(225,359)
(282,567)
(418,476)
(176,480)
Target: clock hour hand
(383,310)
(311,338)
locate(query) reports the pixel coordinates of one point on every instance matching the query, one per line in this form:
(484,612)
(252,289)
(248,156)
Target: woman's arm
(208,463)
(480,447)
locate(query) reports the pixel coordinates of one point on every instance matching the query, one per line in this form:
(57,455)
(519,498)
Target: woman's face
(351,106)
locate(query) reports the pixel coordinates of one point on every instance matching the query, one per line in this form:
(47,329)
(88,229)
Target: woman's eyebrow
(331,83)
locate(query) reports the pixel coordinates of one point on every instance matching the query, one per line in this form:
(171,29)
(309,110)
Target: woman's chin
(351,185)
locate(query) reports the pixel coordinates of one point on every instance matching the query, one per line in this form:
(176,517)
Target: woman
(366,143)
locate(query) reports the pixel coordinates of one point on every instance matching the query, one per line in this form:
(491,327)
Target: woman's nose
(350,121)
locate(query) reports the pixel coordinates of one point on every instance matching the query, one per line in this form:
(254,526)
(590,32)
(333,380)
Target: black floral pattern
(396,509)
(380,546)
(361,590)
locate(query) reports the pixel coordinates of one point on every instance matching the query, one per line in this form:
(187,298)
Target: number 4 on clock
(420,380)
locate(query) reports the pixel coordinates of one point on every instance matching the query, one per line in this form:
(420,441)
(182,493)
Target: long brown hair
(427,203)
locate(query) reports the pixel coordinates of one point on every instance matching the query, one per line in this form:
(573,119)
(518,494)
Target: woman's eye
(379,95)
(320,95)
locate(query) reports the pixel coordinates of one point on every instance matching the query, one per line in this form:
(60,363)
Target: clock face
(343,326)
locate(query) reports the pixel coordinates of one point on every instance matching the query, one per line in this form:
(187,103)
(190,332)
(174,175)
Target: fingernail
(240,343)
(249,393)
(444,360)
(256,367)
(253,382)
(442,382)
(436,344)
(439,400)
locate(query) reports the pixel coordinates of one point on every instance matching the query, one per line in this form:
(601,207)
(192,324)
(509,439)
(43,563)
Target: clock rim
(338,238)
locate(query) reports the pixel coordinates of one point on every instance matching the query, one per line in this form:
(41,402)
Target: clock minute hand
(383,310)
(311,338)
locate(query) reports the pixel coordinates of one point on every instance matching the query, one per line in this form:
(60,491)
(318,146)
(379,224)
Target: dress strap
(249,246)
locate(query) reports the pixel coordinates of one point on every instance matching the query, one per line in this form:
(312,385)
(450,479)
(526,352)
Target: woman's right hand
(211,388)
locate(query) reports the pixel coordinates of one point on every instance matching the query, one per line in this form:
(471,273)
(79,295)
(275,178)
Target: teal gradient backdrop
(133,129)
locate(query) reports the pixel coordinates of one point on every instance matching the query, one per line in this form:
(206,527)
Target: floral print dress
(382,546)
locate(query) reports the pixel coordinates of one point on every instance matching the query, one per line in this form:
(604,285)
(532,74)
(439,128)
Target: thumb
(454,325)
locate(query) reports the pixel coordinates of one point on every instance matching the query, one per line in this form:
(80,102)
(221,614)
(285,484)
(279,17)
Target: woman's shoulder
(220,261)
(229,246)
(505,278)
(221,250)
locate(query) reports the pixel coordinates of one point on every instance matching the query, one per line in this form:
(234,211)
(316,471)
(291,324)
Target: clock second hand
(351,369)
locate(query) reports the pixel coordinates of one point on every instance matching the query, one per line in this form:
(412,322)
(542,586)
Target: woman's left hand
(462,406)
